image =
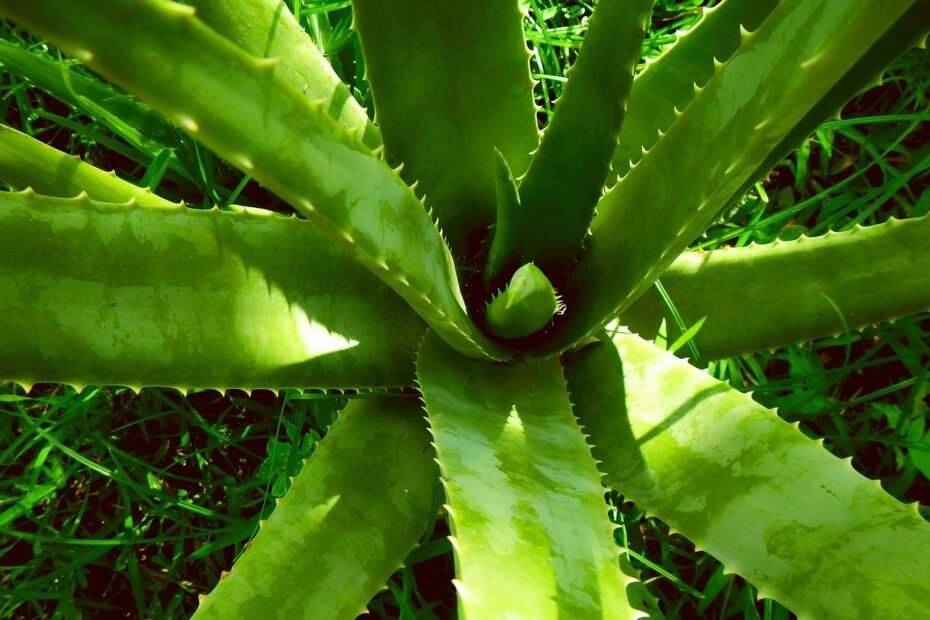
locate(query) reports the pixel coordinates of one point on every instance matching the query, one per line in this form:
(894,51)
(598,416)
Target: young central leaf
(525,306)
(507,244)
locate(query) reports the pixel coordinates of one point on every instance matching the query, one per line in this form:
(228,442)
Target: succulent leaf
(530,531)
(97,293)
(507,243)
(765,296)
(450,82)
(68,86)
(28,163)
(910,30)
(239,107)
(267,29)
(525,306)
(351,516)
(667,83)
(566,177)
(770,503)
(781,71)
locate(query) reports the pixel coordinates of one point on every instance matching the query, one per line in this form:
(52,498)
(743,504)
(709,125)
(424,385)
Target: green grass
(115,504)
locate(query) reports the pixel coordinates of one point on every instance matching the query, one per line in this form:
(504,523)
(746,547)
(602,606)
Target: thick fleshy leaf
(764,296)
(507,244)
(238,106)
(524,306)
(26,162)
(267,29)
(748,487)
(780,72)
(566,177)
(70,86)
(530,530)
(451,82)
(118,294)
(668,81)
(351,516)
(909,30)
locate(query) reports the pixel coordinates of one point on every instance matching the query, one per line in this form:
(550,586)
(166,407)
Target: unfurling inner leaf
(507,245)
(525,306)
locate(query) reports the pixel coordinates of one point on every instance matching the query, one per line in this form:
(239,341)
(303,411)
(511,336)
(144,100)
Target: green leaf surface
(27,162)
(242,110)
(530,531)
(267,29)
(352,515)
(141,127)
(97,293)
(450,82)
(773,505)
(781,71)
(909,30)
(766,296)
(69,86)
(566,177)
(668,81)
(525,306)
(507,244)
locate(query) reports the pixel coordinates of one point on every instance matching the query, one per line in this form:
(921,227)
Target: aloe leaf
(566,177)
(751,489)
(450,82)
(96,293)
(354,512)
(512,456)
(525,306)
(910,30)
(781,71)
(507,244)
(765,296)
(68,86)
(239,107)
(668,81)
(27,162)
(267,29)
(143,129)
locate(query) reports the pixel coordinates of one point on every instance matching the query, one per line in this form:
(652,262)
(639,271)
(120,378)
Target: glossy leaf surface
(96,293)
(765,296)
(754,100)
(451,83)
(770,503)
(354,512)
(567,175)
(267,29)
(530,529)
(271,131)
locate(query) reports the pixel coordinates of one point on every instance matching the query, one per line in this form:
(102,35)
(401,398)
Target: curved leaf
(909,30)
(507,244)
(667,82)
(68,85)
(765,296)
(748,487)
(781,71)
(27,162)
(351,516)
(239,107)
(566,177)
(267,29)
(524,306)
(117,294)
(451,82)
(530,530)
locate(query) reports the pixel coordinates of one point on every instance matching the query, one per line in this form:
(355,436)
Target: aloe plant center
(488,284)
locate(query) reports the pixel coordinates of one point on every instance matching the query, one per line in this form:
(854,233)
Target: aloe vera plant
(453,260)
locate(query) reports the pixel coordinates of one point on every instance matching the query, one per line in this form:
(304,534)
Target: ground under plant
(451,259)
